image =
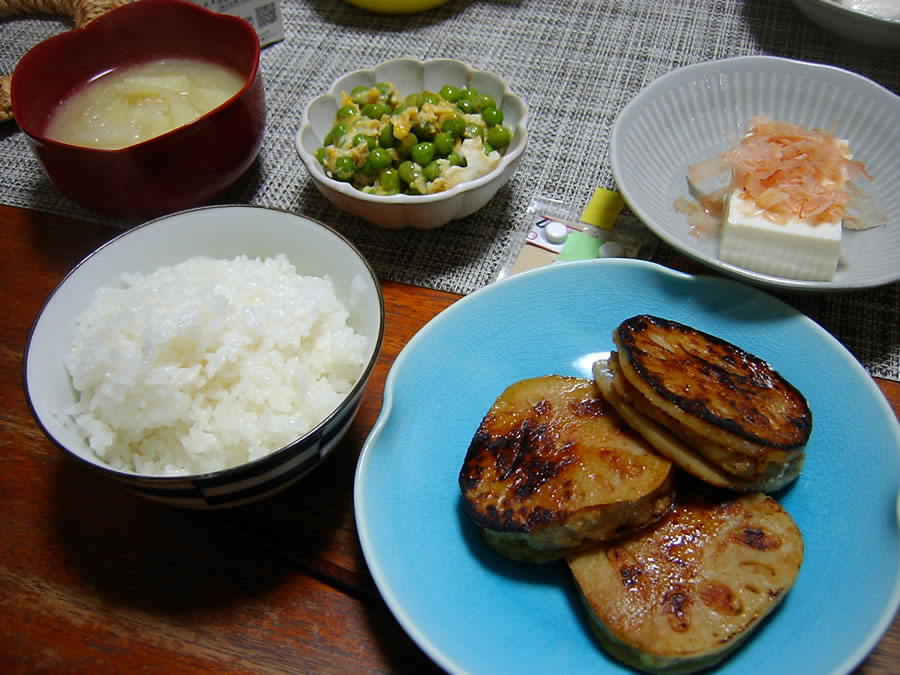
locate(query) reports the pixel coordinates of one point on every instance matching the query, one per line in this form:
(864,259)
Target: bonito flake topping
(788,171)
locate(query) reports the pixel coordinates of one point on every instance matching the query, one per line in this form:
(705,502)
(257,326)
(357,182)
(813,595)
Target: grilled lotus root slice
(553,468)
(772,477)
(685,592)
(714,395)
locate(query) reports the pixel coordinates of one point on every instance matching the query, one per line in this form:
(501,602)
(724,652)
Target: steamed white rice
(210,363)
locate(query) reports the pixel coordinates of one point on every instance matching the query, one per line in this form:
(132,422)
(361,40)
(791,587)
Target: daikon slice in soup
(133,103)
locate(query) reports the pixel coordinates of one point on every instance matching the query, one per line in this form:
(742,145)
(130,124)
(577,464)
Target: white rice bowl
(209,364)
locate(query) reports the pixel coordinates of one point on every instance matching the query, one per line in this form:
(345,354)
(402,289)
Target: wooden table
(94,579)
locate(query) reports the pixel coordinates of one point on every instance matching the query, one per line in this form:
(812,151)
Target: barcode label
(227,6)
(263,15)
(266,15)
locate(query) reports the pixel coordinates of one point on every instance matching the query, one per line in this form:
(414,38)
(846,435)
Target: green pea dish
(423,143)
(411,143)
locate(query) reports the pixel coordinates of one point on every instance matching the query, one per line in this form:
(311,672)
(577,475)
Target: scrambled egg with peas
(424,143)
(477,163)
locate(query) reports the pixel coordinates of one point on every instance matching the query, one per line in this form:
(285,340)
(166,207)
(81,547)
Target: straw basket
(81,12)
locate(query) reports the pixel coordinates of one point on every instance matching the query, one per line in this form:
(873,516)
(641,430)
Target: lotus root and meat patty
(719,401)
(681,594)
(553,468)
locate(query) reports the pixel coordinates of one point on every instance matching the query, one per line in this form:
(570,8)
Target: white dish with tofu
(702,110)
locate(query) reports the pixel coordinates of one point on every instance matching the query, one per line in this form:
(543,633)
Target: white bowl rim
(234,471)
(315,170)
(852,11)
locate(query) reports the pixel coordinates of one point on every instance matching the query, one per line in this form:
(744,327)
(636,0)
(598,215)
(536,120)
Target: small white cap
(556,232)
(612,249)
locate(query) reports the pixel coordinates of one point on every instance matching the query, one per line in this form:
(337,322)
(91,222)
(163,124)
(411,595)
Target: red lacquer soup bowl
(188,166)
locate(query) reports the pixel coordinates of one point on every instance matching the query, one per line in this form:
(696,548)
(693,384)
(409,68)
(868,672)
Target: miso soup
(134,103)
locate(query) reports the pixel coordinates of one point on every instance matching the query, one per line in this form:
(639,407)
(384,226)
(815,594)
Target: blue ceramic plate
(473,611)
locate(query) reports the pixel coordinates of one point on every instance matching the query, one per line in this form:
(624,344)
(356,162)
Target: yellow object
(397,6)
(603,209)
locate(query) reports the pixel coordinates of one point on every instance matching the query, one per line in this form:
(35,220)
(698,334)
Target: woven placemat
(576,63)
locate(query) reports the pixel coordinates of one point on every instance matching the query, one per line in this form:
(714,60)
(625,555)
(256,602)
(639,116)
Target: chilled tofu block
(795,250)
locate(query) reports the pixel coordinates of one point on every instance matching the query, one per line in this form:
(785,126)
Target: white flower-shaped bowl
(418,211)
